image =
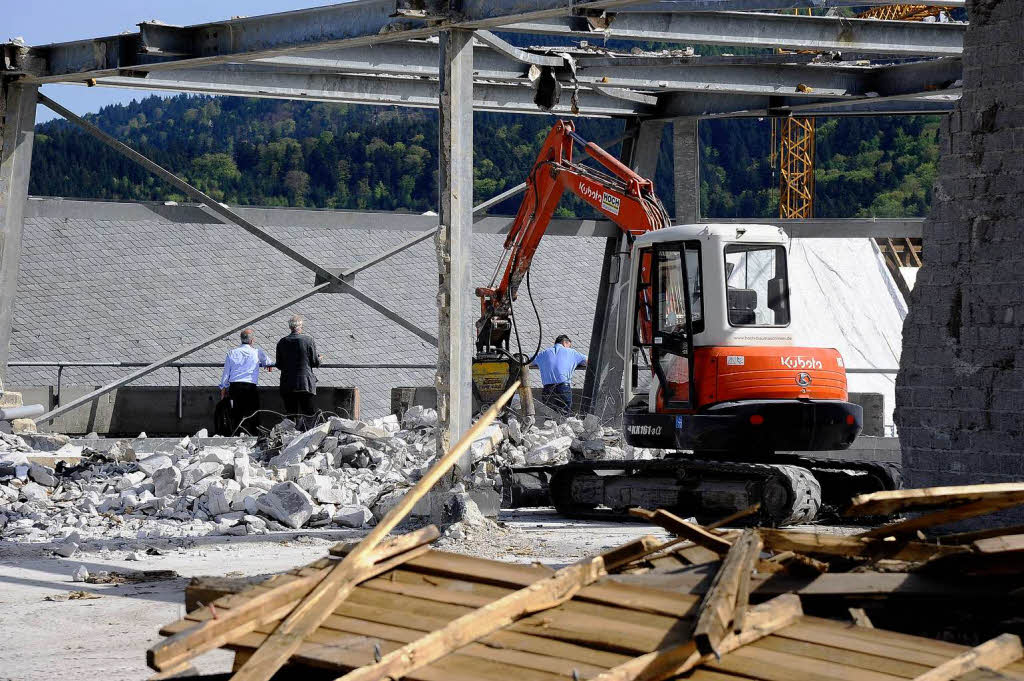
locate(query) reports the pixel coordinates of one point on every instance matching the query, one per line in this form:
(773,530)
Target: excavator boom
(621,195)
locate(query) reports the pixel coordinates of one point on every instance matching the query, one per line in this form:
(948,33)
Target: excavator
(712,377)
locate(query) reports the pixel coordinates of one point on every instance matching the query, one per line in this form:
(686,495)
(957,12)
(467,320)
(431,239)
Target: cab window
(757,285)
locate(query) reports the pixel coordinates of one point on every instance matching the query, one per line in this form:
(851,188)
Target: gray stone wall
(960,390)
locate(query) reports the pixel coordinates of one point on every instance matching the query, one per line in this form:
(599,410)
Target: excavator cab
(712,365)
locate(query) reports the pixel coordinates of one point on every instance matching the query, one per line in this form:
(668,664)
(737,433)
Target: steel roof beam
(415,92)
(784,31)
(372,22)
(692,104)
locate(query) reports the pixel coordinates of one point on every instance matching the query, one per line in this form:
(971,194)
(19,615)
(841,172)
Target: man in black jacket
(296,359)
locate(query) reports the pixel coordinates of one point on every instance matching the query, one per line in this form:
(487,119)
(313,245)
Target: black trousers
(558,396)
(245,401)
(300,404)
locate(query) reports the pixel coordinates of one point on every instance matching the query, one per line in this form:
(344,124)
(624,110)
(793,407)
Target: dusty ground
(107,637)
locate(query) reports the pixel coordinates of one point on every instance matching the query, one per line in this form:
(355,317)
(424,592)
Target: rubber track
(800,484)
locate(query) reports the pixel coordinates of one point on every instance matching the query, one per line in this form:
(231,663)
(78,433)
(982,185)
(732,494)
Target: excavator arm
(624,197)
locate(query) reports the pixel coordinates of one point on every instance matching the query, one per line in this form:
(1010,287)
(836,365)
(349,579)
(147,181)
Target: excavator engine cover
(750,426)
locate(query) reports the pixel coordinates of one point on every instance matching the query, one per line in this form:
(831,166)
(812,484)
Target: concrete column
(686,153)
(455,340)
(17,124)
(603,388)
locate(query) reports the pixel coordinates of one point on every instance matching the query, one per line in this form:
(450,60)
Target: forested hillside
(288,153)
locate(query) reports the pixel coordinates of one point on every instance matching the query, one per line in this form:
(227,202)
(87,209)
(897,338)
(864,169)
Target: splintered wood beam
(542,595)
(718,609)
(860,618)
(969,510)
(891,501)
(335,587)
(630,552)
(992,654)
(968,537)
(853,547)
(674,660)
(673,523)
(176,650)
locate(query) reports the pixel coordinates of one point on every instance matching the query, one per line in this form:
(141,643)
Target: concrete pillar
(686,154)
(455,340)
(602,390)
(17,124)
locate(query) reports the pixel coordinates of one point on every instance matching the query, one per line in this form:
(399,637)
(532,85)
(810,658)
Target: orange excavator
(712,376)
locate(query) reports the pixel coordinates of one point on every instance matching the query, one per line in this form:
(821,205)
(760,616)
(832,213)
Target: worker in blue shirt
(239,379)
(556,365)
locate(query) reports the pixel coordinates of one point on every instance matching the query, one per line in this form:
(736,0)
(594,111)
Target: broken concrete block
(42,474)
(487,500)
(515,430)
(166,481)
(218,500)
(296,450)
(33,491)
(197,471)
(419,417)
(297,471)
(353,516)
(359,428)
(81,574)
(287,503)
(66,549)
(550,452)
(151,464)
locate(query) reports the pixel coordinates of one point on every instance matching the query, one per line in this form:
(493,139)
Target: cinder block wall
(960,390)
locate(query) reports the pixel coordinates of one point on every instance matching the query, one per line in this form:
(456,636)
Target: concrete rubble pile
(341,473)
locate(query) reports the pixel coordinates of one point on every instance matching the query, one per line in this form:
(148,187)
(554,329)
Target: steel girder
(606,89)
(158,46)
(745,29)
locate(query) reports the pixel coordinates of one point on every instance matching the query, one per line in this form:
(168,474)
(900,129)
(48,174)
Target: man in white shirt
(239,380)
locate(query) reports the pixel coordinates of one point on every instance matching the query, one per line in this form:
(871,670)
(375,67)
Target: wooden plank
(860,618)
(670,661)
(892,501)
(847,658)
(1013,543)
(968,537)
(335,587)
(605,592)
(214,632)
(718,610)
(859,639)
(944,517)
(673,523)
(543,595)
(477,595)
(852,547)
(992,654)
(557,623)
(632,551)
(771,665)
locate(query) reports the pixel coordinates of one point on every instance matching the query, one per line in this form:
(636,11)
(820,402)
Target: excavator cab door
(668,310)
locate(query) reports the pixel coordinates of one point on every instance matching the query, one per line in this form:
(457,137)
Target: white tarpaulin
(843,297)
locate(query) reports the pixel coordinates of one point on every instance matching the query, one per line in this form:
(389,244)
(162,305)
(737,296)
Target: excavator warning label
(735,360)
(610,203)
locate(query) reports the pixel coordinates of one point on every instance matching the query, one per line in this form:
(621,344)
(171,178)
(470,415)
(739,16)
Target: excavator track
(797,489)
(689,487)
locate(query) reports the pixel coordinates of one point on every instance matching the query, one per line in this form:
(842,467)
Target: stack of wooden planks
(608,630)
(391,608)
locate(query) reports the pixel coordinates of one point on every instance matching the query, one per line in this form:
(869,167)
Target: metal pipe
(60,372)
(29,411)
(179,394)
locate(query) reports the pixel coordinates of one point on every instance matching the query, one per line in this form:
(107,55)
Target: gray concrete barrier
(130,410)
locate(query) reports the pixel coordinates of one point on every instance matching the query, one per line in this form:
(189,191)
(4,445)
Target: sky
(53,21)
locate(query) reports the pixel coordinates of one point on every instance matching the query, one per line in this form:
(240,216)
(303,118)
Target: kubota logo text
(800,362)
(607,202)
